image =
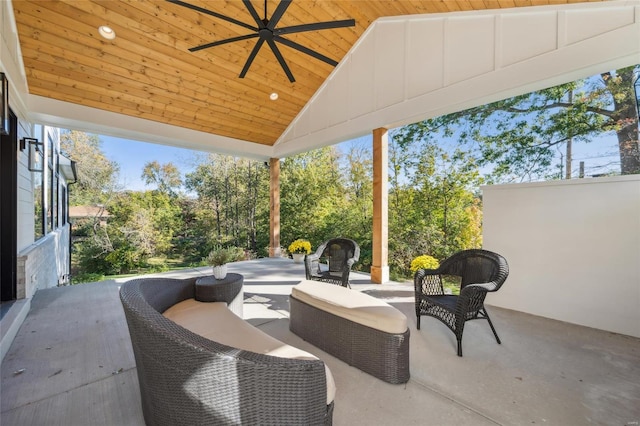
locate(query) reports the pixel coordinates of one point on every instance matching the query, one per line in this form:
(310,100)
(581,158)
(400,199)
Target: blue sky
(133,155)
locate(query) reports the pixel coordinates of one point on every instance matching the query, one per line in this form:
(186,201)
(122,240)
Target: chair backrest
(477,266)
(339,251)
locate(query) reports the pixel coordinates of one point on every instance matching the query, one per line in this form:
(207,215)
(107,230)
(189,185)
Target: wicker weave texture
(229,289)
(383,355)
(342,254)
(186,379)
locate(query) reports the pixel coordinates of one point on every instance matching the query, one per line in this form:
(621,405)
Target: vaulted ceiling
(148,72)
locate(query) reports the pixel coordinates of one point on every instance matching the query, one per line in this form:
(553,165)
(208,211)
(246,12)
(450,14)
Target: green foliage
(311,191)
(90,255)
(124,259)
(97,175)
(424,262)
(166,177)
(222,255)
(88,277)
(232,205)
(432,204)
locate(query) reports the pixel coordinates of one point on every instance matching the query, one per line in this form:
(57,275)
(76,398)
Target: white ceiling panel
(425,42)
(339,105)
(469,47)
(361,77)
(389,63)
(517,42)
(584,24)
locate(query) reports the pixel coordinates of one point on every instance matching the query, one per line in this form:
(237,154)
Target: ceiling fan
(266,31)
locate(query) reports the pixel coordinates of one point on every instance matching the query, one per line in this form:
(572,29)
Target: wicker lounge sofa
(187,379)
(363,331)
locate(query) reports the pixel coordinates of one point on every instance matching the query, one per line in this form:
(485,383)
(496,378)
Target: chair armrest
(428,282)
(472,296)
(478,288)
(312,256)
(311,265)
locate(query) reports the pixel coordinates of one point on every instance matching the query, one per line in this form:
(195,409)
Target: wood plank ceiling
(148,72)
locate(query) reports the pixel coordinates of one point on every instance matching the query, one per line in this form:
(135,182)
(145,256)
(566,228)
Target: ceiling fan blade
(251,57)
(277,14)
(253,12)
(306,50)
(217,15)
(280,59)
(218,43)
(316,26)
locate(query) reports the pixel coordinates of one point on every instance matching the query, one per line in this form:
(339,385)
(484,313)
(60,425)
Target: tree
(433,209)
(97,175)
(232,203)
(517,136)
(166,177)
(142,225)
(353,216)
(312,189)
(623,117)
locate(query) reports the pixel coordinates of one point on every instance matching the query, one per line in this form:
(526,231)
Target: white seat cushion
(214,321)
(352,305)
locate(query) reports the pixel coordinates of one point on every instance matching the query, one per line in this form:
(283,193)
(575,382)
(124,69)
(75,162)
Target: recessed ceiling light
(107,32)
(273,96)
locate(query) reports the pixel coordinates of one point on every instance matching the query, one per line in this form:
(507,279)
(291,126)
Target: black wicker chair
(481,271)
(342,254)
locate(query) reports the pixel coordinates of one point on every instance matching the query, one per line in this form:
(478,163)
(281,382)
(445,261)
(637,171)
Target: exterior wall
(44,264)
(25,192)
(573,249)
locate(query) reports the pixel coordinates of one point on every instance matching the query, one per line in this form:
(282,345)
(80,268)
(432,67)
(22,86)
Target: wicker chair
(481,271)
(342,254)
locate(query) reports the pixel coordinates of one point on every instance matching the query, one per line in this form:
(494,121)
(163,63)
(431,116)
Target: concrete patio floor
(71,363)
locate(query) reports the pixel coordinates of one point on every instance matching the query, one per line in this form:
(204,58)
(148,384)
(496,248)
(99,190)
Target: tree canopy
(97,175)
(166,177)
(517,137)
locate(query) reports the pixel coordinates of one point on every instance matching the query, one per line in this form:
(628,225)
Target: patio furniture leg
(492,327)
(460,346)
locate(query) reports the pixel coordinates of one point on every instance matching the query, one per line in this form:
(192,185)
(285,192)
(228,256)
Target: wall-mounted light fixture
(36,153)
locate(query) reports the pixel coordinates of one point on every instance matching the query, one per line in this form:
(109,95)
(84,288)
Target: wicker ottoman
(361,330)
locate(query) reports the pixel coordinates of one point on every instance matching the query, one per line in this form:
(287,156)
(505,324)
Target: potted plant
(299,249)
(218,259)
(424,262)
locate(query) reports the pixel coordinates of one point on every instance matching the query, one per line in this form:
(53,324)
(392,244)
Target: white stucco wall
(573,249)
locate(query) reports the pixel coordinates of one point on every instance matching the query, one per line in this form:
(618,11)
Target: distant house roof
(88,211)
